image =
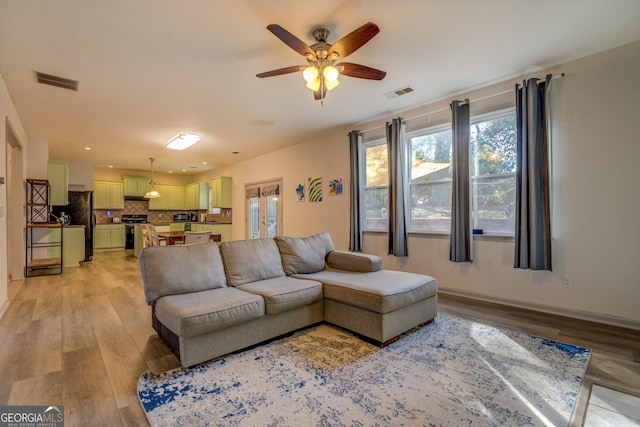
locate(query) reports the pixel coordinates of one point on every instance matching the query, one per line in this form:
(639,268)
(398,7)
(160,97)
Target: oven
(129,226)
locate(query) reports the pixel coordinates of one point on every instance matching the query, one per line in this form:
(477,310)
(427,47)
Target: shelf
(43,249)
(45,263)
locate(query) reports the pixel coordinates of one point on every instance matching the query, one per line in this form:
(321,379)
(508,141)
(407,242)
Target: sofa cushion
(304,254)
(285,293)
(179,269)
(354,261)
(197,313)
(251,260)
(381,291)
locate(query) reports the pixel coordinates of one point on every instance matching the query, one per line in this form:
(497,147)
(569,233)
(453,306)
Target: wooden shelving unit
(44,239)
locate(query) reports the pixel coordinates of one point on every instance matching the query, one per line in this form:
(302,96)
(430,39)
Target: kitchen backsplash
(140,207)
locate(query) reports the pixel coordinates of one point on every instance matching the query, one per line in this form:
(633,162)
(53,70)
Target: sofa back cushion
(302,255)
(180,269)
(248,261)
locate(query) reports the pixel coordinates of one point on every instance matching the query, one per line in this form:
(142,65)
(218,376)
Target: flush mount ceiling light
(183,141)
(323,69)
(152,193)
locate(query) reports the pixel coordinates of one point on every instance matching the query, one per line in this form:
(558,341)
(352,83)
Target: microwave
(182,217)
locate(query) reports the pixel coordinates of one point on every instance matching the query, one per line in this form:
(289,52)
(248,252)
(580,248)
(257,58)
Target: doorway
(264,209)
(15,205)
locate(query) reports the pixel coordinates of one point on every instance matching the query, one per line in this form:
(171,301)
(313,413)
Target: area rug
(451,372)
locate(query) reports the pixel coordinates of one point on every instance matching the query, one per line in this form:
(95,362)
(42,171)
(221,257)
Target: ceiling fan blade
(355,39)
(360,71)
(290,40)
(281,71)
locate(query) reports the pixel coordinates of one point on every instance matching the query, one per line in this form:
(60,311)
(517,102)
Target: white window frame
(488,116)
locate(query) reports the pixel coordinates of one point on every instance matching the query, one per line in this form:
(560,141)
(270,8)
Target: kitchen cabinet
(58,176)
(171,198)
(175,197)
(160,203)
(109,236)
(196,196)
(136,187)
(108,195)
(73,252)
(221,192)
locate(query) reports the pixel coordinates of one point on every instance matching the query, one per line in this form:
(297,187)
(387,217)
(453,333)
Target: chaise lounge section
(209,300)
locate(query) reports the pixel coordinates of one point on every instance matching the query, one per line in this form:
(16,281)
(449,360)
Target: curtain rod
(430,113)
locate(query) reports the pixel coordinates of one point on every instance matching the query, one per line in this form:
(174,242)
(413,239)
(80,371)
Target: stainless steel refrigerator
(80,211)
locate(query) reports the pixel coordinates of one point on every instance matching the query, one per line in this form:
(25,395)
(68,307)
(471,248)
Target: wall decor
(315,189)
(300,192)
(335,187)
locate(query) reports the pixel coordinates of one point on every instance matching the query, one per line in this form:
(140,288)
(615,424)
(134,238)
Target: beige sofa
(209,300)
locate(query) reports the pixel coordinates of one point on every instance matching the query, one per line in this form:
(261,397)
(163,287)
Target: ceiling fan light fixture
(314,85)
(183,141)
(331,84)
(310,73)
(330,73)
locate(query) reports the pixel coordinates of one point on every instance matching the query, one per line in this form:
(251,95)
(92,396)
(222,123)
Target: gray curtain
(533,218)
(396,150)
(460,241)
(355,231)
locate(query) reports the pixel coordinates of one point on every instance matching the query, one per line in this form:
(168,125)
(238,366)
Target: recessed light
(110,166)
(204,163)
(87,148)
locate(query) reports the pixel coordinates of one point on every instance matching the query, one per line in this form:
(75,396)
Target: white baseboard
(577,314)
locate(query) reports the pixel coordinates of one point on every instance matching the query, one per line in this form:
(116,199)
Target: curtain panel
(460,247)
(397,154)
(253,192)
(355,226)
(533,217)
(270,190)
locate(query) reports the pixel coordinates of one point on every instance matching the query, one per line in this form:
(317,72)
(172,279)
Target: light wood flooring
(82,339)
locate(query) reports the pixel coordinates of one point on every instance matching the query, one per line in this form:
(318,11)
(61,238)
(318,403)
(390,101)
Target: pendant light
(152,193)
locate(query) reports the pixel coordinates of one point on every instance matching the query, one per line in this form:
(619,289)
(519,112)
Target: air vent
(48,79)
(399,92)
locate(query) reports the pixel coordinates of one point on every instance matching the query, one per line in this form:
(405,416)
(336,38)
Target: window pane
(376,192)
(431,182)
(493,145)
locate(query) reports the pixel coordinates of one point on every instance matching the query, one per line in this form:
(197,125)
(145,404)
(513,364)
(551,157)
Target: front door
(264,209)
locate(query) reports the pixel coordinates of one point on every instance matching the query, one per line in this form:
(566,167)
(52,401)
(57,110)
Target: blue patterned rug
(452,372)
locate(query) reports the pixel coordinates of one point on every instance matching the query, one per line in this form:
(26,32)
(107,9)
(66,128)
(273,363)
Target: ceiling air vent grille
(48,79)
(399,92)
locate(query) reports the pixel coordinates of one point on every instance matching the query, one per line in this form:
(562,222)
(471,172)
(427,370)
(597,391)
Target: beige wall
(8,219)
(596,198)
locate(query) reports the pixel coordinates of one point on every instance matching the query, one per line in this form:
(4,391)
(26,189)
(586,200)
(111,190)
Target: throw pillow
(302,255)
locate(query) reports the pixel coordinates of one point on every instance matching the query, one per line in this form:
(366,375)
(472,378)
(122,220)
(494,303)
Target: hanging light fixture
(152,193)
(322,72)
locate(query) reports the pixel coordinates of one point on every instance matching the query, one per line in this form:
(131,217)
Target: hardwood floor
(82,339)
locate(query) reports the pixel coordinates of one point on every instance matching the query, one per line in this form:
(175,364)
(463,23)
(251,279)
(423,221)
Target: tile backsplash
(141,207)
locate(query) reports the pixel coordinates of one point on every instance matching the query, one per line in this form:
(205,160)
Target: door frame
(262,207)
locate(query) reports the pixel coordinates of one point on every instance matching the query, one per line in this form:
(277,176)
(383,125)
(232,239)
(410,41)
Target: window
(493,178)
(376,186)
(430,183)
(493,156)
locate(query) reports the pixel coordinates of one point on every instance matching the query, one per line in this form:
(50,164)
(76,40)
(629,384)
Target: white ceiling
(149,69)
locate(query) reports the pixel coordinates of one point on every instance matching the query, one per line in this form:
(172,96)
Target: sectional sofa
(211,299)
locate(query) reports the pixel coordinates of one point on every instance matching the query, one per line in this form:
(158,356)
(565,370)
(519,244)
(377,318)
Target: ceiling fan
(323,69)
